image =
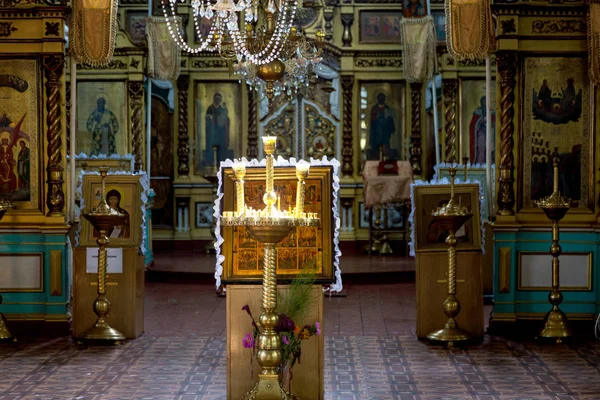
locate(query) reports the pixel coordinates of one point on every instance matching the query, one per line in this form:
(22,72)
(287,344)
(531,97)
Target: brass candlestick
(270,226)
(103,218)
(555,207)
(5,334)
(451,217)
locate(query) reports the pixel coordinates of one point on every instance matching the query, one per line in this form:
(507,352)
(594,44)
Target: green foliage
(296,302)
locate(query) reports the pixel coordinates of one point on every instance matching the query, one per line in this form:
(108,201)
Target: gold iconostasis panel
(305,248)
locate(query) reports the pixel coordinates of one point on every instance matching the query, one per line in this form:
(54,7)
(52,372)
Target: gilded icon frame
(319,200)
(427,198)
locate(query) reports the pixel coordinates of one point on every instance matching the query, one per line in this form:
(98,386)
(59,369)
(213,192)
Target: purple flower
(318,328)
(285,339)
(248,341)
(285,324)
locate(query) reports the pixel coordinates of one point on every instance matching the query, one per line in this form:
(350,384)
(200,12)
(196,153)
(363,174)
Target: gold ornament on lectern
(451,217)
(555,207)
(5,334)
(269,226)
(103,219)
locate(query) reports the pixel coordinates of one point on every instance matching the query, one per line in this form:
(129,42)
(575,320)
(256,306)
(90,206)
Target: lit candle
(279,203)
(302,168)
(239,169)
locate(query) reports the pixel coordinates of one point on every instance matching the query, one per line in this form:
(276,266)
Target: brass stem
(300,186)
(451,240)
(555,250)
(269,343)
(270,173)
(555,178)
(240,196)
(102,305)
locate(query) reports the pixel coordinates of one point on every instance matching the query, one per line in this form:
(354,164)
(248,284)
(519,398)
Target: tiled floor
(370,353)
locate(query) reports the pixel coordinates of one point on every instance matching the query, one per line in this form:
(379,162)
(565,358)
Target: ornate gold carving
(508,26)
(347,151)
(284,126)
(415,136)
(347,21)
(450,89)
(215,63)
(136,102)
(55,272)
(53,70)
(559,26)
(504,270)
(114,64)
(68,116)
(507,68)
(375,62)
(52,28)
(328,13)
(6,28)
(252,125)
(134,63)
(183,151)
(316,128)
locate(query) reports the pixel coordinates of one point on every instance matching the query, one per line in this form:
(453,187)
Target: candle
(302,168)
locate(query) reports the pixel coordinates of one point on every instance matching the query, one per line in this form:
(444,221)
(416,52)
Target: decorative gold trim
(39,317)
(537,316)
(446,281)
(107,283)
(183,149)
(136,102)
(347,82)
(450,91)
(55,272)
(504,270)
(41,267)
(564,288)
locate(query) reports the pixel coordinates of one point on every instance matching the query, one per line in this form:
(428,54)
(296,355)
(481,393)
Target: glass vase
(285,375)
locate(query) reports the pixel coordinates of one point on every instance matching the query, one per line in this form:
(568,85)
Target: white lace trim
(281,162)
(443,181)
(143,197)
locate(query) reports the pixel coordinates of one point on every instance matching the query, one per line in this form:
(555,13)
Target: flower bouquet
(291,343)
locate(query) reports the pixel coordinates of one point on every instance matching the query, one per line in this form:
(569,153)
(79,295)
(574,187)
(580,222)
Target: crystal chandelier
(249,32)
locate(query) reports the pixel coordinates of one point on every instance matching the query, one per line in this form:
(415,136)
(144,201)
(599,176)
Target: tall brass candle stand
(103,218)
(555,207)
(270,226)
(5,334)
(451,217)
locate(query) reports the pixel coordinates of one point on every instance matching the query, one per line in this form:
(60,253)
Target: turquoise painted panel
(536,301)
(39,303)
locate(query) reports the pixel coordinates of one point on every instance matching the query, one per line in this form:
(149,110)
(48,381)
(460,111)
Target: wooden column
(136,103)
(347,150)
(415,133)
(506,62)
(183,150)
(450,91)
(55,198)
(252,150)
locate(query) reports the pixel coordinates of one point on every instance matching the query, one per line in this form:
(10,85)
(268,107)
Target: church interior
(283,199)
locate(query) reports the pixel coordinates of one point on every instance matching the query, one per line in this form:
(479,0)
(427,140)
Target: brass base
(385,247)
(101,331)
(5,334)
(268,388)
(555,325)
(450,335)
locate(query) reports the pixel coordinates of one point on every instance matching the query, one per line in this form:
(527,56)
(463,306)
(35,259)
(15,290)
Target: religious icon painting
(102,127)
(218,124)
(439,20)
(136,26)
(473,120)
(204,215)
(556,116)
(123,194)
(321,133)
(381,120)
(380,27)
(20,180)
(414,8)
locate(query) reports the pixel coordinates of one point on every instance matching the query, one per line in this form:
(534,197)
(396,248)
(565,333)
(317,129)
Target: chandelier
(256,34)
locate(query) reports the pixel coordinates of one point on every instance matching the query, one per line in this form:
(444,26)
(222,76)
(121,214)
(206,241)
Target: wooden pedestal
(124,291)
(307,379)
(432,289)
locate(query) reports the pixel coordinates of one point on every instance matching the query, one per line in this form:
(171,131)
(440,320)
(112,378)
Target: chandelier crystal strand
(176,35)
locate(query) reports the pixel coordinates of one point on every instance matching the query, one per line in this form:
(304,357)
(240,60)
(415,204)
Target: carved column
(68,117)
(347,21)
(55,198)
(136,104)
(415,133)
(507,69)
(450,89)
(347,150)
(183,150)
(252,125)
(328,16)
